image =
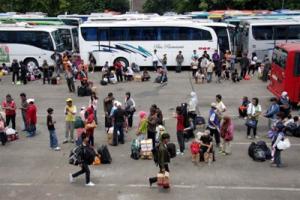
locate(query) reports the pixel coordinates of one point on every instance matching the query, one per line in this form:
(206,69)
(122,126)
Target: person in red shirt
(31,118)
(9,106)
(119,70)
(180,130)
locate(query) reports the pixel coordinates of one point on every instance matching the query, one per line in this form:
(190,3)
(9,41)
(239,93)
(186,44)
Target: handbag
(284,144)
(251,123)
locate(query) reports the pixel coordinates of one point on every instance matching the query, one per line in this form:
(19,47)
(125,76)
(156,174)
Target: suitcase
(172,149)
(12,135)
(105,155)
(137,78)
(81,91)
(54,81)
(110,136)
(3,138)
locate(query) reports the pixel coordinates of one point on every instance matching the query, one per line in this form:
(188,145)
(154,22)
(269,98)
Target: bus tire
(31,61)
(122,60)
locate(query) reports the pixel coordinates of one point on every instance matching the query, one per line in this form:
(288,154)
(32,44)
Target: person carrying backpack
(85,156)
(277,137)
(161,157)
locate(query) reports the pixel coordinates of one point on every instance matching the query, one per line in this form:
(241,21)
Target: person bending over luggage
(162,157)
(206,147)
(84,164)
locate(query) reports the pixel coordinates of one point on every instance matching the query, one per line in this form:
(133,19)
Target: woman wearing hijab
(90,125)
(143,126)
(227,130)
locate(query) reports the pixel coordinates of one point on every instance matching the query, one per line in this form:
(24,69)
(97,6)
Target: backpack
(265,148)
(172,150)
(195,148)
(259,155)
(75,157)
(89,155)
(135,149)
(199,120)
(105,155)
(78,122)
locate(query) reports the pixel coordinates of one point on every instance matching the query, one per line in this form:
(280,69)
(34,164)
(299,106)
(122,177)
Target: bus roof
(27,28)
(272,22)
(290,46)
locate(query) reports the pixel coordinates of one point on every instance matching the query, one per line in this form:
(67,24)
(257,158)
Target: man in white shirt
(221,108)
(155,59)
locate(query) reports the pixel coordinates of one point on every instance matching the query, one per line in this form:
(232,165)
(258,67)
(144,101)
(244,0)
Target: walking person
(70,113)
(163,157)
(119,121)
(92,61)
(70,79)
(152,124)
(227,132)
(24,107)
(24,72)
(272,112)
(194,62)
(83,162)
(15,71)
(107,106)
(164,62)
(210,70)
(51,128)
(9,107)
(119,71)
(46,72)
(180,130)
(277,137)
(31,118)
(253,64)
(179,61)
(90,125)
(94,102)
(253,112)
(129,108)
(214,123)
(244,65)
(155,60)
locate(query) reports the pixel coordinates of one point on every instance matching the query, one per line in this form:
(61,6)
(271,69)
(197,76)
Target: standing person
(92,61)
(152,124)
(3,137)
(9,106)
(119,71)
(194,62)
(90,125)
(193,105)
(108,105)
(272,112)
(52,132)
(31,118)
(94,102)
(143,126)
(119,119)
(244,65)
(24,71)
(163,157)
(227,132)
(159,114)
(180,130)
(83,163)
(57,61)
(164,62)
(266,70)
(210,69)
(70,112)
(46,73)
(155,59)
(179,61)
(253,64)
(284,103)
(15,70)
(70,79)
(221,108)
(253,112)
(216,58)
(129,108)
(24,106)
(243,107)
(278,136)
(214,123)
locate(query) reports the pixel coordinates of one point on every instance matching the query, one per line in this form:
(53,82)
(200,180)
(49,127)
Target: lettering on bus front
(168,46)
(4,54)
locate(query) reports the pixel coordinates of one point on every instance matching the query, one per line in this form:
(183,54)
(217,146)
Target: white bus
(135,41)
(261,36)
(32,45)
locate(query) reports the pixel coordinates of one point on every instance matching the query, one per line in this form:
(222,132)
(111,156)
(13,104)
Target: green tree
(117,5)
(159,6)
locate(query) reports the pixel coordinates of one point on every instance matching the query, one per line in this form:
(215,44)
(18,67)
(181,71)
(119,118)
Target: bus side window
(297,64)
(294,32)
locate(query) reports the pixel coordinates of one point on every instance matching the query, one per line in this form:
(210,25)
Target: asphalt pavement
(30,170)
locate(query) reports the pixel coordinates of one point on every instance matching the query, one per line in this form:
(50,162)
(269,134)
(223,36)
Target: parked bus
(24,18)
(285,72)
(30,44)
(261,36)
(135,41)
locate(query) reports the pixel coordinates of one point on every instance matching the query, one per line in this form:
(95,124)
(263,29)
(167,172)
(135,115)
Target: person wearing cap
(277,136)
(31,118)
(272,112)
(214,123)
(108,105)
(119,118)
(284,103)
(9,107)
(70,112)
(163,157)
(51,129)
(24,106)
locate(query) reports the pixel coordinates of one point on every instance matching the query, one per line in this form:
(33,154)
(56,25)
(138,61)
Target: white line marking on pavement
(247,143)
(15,184)
(253,188)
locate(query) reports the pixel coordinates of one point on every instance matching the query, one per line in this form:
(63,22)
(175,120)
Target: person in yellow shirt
(70,112)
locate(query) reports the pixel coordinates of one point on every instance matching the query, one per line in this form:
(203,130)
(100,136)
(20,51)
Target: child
(195,151)
(52,133)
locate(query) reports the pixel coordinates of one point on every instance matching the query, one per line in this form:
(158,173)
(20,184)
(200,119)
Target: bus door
(295,85)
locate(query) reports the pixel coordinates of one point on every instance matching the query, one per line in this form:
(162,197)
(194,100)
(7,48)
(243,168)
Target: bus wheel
(31,62)
(123,61)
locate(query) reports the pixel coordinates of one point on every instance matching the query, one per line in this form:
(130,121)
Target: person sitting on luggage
(163,157)
(145,75)
(243,107)
(206,149)
(128,74)
(84,165)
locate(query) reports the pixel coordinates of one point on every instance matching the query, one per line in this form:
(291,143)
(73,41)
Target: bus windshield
(65,35)
(223,39)
(280,57)
(75,38)
(58,42)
